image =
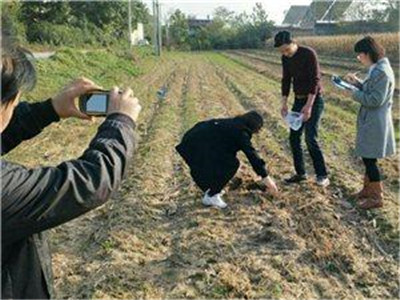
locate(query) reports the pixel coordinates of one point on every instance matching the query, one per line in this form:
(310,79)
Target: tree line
(105,23)
(227,30)
(74,23)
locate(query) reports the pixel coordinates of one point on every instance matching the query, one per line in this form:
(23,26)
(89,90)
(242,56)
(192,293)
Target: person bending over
(210,148)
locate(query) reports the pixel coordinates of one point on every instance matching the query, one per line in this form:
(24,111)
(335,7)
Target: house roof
(295,14)
(199,22)
(336,11)
(329,10)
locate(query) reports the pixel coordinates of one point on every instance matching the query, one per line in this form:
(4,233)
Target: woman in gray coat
(375,133)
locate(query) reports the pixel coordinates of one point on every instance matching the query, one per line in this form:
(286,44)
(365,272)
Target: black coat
(213,145)
(34,200)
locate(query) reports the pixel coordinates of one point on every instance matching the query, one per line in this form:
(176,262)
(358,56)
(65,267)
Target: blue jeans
(311,132)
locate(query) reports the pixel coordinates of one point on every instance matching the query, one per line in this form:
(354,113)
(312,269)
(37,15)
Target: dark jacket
(34,200)
(214,144)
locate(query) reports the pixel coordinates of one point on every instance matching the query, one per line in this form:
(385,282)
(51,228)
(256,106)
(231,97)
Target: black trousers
(214,181)
(372,170)
(311,136)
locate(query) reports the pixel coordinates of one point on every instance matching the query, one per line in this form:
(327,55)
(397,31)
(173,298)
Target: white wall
(138,34)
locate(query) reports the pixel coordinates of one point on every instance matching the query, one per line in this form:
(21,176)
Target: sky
(201,8)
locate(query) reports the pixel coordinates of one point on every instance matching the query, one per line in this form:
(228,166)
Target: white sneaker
(323,181)
(215,200)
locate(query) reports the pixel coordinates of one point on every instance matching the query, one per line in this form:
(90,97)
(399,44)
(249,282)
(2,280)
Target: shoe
(364,192)
(323,181)
(374,198)
(215,200)
(295,179)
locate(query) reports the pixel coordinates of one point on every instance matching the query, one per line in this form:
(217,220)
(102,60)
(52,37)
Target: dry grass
(343,45)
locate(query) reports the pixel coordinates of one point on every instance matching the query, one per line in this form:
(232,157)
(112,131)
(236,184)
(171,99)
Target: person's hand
(351,78)
(124,103)
(306,111)
(64,101)
(284,110)
(272,188)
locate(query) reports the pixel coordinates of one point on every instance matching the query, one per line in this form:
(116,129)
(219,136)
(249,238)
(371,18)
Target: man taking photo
(37,199)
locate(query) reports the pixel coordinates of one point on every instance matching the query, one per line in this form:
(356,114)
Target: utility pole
(155,44)
(156,28)
(167,34)
(159,28)
(130,23)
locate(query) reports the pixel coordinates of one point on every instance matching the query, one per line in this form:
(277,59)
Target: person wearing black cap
(210,148)
(300,66)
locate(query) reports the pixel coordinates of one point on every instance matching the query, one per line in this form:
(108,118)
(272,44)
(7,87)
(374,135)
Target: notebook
(344,85)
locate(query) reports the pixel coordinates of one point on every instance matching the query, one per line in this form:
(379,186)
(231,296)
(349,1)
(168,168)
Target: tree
(259,15)
(393,8)
(88,20)
(179,29)
(223,14)
(263,27)
(53,12)
(10,20)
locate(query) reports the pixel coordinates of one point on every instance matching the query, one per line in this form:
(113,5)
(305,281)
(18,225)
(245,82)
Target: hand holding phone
(95,103)
(125,103)
(102,103)
(64,101)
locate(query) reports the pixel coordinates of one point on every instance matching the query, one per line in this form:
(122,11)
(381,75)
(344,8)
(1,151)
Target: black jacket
(214,144)
(34,200)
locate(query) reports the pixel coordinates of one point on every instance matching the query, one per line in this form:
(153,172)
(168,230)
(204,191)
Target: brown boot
(375,197)
(364,192)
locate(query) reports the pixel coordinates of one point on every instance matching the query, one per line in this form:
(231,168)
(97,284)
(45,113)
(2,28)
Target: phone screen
(97,103)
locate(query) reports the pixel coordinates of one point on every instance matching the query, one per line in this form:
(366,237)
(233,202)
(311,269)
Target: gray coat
(375,133)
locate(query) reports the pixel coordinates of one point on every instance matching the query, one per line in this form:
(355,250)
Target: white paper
(294,120)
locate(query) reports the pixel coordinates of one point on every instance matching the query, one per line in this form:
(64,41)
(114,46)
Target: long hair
(251,121)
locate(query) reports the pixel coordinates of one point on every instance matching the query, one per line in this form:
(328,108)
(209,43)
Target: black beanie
(282,37)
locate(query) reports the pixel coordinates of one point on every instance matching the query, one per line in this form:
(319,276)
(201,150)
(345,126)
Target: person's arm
(255,160)
(37,199)
(286,79)
(285,88)
(314,73)
(315,78)
(258,164)
(374,90)
(28,120)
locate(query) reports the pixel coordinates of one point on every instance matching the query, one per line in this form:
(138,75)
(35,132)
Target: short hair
(17,71)
(283,37)
(369,45)
(251,121)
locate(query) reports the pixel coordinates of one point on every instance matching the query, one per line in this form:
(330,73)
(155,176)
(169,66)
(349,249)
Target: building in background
(137,36)
(336,17)
(195,24)
(295,15)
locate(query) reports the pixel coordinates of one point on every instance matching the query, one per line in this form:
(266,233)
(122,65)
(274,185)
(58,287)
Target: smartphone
(95,103)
